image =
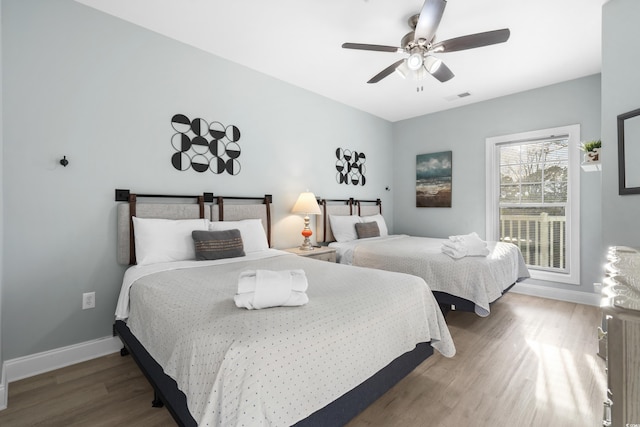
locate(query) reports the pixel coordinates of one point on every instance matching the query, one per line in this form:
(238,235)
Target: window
(533,199)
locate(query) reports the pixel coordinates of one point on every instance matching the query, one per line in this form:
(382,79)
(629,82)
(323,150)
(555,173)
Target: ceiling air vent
(458,96)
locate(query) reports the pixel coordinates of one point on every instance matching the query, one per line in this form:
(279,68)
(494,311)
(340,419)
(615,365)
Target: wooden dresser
(621,337)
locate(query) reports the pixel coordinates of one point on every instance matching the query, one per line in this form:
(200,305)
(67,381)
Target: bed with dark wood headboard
(466,284)
(312,365)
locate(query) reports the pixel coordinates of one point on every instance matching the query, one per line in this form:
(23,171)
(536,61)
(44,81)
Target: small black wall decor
(203,146)
(351,167)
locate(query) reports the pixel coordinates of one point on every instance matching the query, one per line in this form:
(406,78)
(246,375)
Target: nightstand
(323,253)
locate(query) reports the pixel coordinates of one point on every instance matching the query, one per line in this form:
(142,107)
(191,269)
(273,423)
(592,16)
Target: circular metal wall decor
(351,167)
(202,146)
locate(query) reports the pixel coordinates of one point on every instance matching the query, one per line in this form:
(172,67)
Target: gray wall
(1,202)
(620,94)
(464,130)
(102,91)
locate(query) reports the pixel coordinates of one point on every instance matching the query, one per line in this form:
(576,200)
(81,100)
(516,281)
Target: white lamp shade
(432,64)
(306,204)
(403,70)
(419,73)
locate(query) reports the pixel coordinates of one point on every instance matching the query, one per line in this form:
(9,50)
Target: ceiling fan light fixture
(415,61)
(432,64)
(420,74)
(403,70)
(420,43)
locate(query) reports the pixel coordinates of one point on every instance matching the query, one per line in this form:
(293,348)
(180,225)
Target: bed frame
(166,392)
(448,302)
(351,206)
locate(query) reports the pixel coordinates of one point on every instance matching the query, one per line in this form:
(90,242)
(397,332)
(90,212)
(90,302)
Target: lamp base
(306,232)
(306,245)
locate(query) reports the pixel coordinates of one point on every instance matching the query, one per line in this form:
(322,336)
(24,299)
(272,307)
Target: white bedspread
(478,279)
(137,271)
(278,365)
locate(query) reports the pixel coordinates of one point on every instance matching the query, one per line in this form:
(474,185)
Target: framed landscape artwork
(433,180)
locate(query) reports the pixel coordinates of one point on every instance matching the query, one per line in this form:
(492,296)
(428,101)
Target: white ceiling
(299,41)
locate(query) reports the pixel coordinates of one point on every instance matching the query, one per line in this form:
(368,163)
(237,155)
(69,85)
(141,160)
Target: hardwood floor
(532,362)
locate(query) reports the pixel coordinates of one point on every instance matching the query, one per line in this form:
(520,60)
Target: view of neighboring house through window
(533,190)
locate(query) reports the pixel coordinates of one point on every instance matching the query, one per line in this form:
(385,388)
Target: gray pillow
(367,229)
(217,244)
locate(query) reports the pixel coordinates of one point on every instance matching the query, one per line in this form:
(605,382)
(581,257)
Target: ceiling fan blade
(374,47)
(384,73)
(429,20)
(440,72)
(472,41)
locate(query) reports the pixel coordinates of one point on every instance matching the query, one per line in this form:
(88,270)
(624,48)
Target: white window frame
(572,133)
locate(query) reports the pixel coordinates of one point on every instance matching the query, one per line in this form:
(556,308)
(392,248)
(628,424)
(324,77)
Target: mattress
(480,280)
(276,366)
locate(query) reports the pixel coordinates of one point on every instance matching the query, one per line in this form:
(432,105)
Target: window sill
(550,276)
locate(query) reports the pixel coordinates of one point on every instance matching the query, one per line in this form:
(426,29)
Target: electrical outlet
(88,300)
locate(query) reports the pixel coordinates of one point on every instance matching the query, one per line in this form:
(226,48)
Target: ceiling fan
(420,43)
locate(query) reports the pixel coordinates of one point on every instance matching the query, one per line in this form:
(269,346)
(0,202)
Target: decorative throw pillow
(217,244)
(367,229)
(382,225)
(253,236)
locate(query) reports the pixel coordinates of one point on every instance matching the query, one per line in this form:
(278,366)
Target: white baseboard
(577,297)
(3,390)
(28,366)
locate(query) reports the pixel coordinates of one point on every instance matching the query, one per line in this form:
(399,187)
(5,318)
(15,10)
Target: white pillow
(254,238)
(343,227)
(165,240)
(382,225)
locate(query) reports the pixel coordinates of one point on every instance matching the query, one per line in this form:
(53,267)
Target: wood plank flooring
(532,362)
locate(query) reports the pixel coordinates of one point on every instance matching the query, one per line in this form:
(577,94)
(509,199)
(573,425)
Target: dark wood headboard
(349,206)
(214,208)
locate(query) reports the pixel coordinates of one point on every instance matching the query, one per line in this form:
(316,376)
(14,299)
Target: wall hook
(64,162)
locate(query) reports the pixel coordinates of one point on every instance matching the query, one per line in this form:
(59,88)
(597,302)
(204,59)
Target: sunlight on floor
(564,381)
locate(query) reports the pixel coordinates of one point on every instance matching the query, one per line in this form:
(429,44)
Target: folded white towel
(467,238)
(266,288)
(453,253)
(465,245)
(475,247)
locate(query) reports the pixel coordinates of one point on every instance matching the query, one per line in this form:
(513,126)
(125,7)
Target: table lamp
(306,205)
